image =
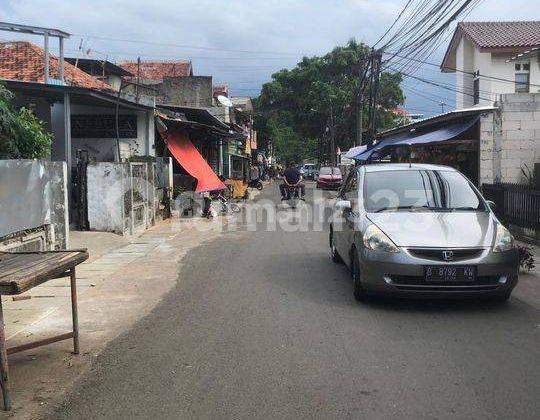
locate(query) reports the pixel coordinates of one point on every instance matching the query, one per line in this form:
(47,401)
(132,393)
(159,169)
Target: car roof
(379,167)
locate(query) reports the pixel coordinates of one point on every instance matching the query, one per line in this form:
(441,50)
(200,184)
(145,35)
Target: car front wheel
(334,254)
(358,290)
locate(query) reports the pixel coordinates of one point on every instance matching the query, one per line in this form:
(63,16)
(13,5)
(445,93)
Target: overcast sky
(241,42)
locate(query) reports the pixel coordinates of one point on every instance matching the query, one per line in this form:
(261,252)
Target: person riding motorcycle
(291,178)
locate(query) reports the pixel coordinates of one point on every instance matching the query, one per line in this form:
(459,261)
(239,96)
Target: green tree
(295,109)
(22,135)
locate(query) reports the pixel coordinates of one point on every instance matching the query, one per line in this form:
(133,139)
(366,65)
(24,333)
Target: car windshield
(413,190)
(329,171)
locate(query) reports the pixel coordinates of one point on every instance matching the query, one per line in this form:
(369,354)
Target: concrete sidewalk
(120,283)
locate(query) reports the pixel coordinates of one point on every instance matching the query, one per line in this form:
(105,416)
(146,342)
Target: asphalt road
(264,325)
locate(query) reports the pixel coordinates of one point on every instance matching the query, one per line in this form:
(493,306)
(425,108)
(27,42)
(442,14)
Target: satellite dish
(223,100)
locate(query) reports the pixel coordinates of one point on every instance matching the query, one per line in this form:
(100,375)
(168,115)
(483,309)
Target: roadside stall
(451,139)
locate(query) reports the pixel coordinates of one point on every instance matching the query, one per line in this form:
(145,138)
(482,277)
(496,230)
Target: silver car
(412,229)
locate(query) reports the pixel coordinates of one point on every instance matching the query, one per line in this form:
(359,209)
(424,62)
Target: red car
(329,178)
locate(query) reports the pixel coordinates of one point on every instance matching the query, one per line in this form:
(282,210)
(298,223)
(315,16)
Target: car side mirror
(343,205)
(491,205)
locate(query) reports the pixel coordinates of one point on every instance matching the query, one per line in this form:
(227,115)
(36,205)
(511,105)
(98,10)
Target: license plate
(449,273)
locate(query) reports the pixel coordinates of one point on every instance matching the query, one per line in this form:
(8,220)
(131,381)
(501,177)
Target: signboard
(253,140)
(103,126)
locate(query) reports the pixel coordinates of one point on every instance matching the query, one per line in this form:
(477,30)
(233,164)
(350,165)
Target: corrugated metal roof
(438,118)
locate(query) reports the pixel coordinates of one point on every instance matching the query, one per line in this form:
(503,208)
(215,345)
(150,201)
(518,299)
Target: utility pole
(332,137)
(376,57)
(360,104)
(46,58)
(442,107)
(138,78)
(359,118)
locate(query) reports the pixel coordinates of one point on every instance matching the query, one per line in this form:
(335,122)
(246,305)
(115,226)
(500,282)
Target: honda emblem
(448,255)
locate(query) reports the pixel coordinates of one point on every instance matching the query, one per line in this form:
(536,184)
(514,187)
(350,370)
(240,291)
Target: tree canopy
(22,135)
(294,109)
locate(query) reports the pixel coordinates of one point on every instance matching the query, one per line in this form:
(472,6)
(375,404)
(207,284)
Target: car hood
(437,229)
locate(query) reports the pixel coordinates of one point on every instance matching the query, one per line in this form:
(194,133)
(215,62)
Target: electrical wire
(165,44)
(485,76)
(394,23)
(431,82)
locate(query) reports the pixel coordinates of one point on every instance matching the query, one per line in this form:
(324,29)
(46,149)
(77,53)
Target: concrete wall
(106,196)
(33,193)
(510,138)
(194,91)
(104,149)
(471,59)
(127,197)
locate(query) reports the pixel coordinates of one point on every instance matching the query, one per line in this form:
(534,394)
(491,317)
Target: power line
(419,37)
(191,57)
(430,82)
(165,44)
(501,79)
(422,95)
(451,86)
(394,23)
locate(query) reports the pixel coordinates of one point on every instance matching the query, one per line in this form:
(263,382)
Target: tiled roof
(22,60)
(221,89)
(502,34)
(157,70)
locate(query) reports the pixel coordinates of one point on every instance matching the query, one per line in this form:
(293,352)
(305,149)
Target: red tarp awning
(191,160)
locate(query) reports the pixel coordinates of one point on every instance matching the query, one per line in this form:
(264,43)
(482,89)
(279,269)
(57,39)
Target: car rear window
(419,189)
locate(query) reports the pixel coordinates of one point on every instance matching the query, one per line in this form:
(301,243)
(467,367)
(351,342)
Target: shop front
(451,139)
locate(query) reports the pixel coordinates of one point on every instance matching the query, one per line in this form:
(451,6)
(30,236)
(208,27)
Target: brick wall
(510,138)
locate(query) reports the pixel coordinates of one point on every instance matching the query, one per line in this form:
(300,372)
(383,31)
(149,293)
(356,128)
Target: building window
(522,74)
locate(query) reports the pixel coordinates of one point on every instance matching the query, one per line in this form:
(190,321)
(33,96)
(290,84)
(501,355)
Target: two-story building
(481,54)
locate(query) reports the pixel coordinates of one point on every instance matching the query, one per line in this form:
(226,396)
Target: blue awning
(355,151)
(447,132)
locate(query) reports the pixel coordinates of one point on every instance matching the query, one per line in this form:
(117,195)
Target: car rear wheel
(358,290)
(333,251)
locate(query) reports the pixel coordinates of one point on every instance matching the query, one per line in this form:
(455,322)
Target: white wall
(470,59)
(465,62)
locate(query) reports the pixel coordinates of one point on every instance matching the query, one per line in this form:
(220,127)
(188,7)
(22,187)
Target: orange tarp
(191,160)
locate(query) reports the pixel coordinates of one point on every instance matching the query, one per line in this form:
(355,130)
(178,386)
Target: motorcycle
(256,183)
(293,196)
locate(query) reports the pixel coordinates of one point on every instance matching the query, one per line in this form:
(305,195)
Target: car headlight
(376,240)
(504,240)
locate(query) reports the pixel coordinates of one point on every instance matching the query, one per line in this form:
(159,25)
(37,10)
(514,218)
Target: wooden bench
(21,271)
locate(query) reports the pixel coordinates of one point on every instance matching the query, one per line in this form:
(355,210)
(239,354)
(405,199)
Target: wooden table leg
(4,377)
(74,313)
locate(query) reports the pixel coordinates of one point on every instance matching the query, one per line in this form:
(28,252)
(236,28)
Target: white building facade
(486,59)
